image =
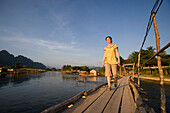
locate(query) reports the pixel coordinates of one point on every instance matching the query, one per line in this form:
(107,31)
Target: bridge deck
(118,100)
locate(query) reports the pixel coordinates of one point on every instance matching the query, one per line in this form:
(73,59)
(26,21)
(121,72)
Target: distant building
(10,70)
(93,72)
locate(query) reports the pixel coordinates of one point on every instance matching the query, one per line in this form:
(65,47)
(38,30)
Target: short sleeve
(115,46)
(105,49)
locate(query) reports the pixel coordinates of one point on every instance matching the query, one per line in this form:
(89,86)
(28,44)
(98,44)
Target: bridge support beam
(163,100)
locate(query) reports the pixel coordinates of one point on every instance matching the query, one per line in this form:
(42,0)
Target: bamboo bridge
(122,99)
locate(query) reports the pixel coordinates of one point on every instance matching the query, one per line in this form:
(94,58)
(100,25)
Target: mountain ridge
(9,59)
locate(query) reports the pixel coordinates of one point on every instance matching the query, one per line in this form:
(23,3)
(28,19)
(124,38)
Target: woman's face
(108,40)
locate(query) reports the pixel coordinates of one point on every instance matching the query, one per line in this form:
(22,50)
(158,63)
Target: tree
(133,57)
(84,68)
(17,65)
(165,58)
(76,68)
(121,61)
(66,68)
(102,71)
(145,55)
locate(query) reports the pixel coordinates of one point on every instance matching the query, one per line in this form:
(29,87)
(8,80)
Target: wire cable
(155,10)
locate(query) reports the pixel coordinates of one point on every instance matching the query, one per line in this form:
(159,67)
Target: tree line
(70,68)
(148,53)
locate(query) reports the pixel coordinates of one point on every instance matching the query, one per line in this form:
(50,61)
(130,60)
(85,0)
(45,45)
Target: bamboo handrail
(165,47)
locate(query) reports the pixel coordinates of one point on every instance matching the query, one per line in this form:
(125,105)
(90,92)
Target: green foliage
(66,68)
(121,61)
(25,66)
(133,57)
(17,65)
(70,68)
(76,68)
(146,54)
(102,71)
(54,69)
(84,68)
(165,58)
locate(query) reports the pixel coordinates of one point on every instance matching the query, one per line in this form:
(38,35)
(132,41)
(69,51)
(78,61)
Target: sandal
(109,88)
(115,84)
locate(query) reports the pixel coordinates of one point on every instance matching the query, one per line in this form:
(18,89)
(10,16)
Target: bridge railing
(165,47)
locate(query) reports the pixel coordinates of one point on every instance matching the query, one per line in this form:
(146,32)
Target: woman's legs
(108,73)
(114,71)
(109,81)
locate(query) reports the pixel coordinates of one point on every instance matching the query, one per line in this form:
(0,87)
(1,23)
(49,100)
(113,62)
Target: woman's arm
(103,59)
(118,56)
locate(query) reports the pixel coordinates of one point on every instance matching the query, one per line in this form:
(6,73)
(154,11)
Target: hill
(8,59)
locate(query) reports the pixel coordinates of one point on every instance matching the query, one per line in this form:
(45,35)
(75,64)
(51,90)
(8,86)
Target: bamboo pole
(125,71)
(133,69)
(139,68)
(120,71)
(163,100)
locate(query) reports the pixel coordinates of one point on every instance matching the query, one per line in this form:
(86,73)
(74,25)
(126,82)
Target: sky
(59,32)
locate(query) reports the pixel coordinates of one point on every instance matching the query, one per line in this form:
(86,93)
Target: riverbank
(12,72)
(152,78)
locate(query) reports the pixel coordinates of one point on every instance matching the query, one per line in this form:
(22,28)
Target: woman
(110,61)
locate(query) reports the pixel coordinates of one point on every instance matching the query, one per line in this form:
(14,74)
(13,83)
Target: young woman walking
(111,59)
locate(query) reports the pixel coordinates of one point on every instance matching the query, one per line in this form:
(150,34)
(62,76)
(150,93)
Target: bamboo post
(139,68)
(133,69)
(125,70)
(163,100)
(158,49)
(120,70)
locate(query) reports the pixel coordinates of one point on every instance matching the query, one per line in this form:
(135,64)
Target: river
(35,92)
(153,94)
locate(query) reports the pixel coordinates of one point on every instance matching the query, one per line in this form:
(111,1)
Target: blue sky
(58,32)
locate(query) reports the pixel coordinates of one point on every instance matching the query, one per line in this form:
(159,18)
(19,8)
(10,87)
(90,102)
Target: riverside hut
(93,72)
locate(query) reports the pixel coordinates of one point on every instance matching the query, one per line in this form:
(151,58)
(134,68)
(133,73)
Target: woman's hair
(109,37)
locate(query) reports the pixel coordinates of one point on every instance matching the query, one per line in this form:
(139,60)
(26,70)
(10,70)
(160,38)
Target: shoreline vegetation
(13,72)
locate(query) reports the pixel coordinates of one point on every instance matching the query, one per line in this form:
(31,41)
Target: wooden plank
(114,103)
(128,105)
(138,98)
(64,104)
(99,105)
(133,104)
(90,100)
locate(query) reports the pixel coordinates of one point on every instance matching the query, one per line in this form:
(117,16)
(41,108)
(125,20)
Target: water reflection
(163,99)
(154,92)
(32,93)
(17,78)
(84,79)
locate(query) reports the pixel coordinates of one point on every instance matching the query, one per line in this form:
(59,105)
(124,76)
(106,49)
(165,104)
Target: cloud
(62,25)
(51,45)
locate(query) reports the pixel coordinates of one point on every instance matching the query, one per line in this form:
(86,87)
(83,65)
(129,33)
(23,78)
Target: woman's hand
(102,64)
(118,62)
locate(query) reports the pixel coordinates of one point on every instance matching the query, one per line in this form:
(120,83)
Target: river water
(34,93)
(153,94)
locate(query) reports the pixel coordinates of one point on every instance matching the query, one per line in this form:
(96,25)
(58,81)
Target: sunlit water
(34,93)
